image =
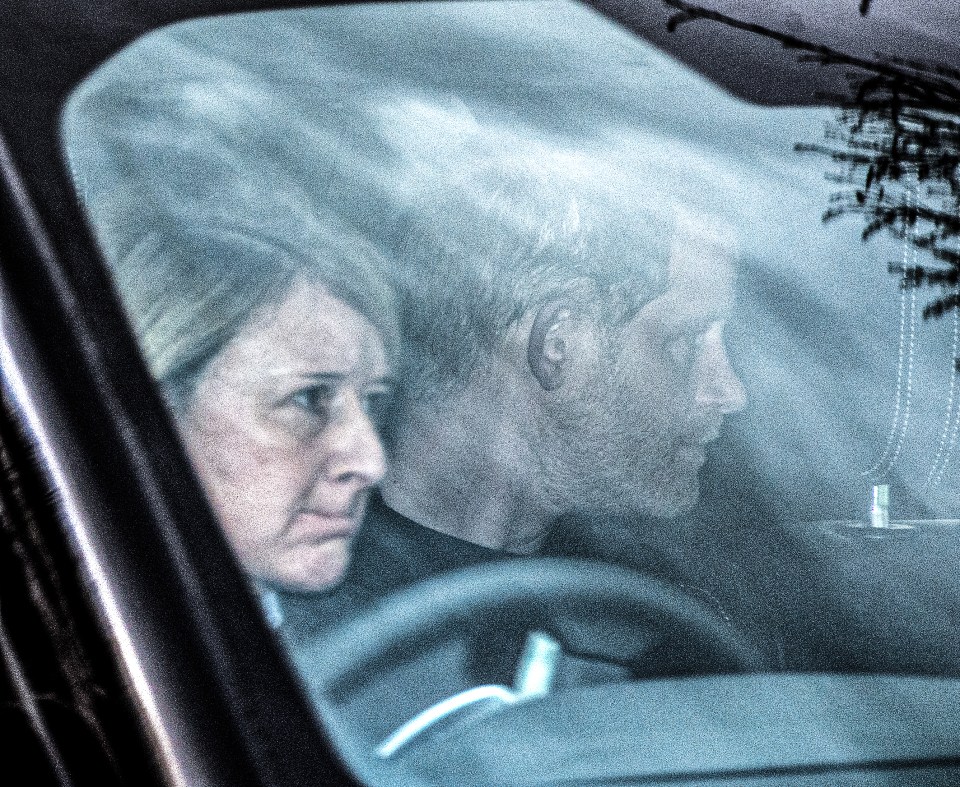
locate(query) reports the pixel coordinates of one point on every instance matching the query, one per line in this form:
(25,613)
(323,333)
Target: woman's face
(281,432)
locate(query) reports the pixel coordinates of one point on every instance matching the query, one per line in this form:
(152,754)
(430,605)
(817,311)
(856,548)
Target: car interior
(768,598)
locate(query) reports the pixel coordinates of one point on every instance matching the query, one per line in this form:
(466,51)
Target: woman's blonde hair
(189,288)
(209,198)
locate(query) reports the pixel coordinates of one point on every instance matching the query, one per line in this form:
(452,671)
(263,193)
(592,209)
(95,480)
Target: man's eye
(683,348)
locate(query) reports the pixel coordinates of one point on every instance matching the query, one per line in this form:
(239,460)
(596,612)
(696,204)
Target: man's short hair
(504,234)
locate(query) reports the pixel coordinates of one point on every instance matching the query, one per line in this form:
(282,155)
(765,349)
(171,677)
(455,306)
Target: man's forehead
(700,248)
(703,256)
(700,285)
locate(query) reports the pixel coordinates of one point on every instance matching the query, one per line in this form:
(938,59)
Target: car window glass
(435,287)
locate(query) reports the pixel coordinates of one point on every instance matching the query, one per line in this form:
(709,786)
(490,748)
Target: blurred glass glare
(389,94)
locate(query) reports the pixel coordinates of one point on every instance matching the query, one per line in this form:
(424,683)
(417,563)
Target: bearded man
(564,362)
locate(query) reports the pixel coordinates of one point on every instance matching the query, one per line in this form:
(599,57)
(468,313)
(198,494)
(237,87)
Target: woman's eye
(377,405)
(317,400)
(324,403)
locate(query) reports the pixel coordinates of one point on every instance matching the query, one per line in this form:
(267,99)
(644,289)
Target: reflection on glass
(436,287)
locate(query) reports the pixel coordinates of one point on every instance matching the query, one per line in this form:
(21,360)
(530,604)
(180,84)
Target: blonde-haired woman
(274,352)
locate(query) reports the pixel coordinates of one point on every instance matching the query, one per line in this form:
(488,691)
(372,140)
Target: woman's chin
(314,567)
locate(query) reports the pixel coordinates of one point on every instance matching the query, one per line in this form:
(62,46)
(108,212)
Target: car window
(443,288)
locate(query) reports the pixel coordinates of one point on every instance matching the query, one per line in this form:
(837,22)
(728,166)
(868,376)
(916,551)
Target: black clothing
(393,552)
(390,553)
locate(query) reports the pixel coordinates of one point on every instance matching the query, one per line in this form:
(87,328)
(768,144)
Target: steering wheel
(594,610)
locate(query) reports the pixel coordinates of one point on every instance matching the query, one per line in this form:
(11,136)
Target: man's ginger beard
(612,451)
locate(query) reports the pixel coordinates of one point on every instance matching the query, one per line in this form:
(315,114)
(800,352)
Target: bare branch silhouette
(896,144)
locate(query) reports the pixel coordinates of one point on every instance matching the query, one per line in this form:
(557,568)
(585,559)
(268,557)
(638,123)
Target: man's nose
(718,385)
(353,448)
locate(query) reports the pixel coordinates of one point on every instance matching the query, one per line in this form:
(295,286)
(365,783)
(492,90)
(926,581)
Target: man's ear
(548,351)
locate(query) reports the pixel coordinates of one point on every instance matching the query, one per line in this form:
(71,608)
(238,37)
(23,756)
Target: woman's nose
(718,386)
(353,447)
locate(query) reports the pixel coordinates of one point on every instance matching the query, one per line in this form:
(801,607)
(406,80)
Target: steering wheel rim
(542,593)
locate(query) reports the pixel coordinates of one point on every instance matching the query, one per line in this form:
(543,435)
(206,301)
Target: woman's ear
(548,344)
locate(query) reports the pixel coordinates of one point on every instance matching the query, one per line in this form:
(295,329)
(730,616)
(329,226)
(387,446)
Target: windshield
(443,287)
